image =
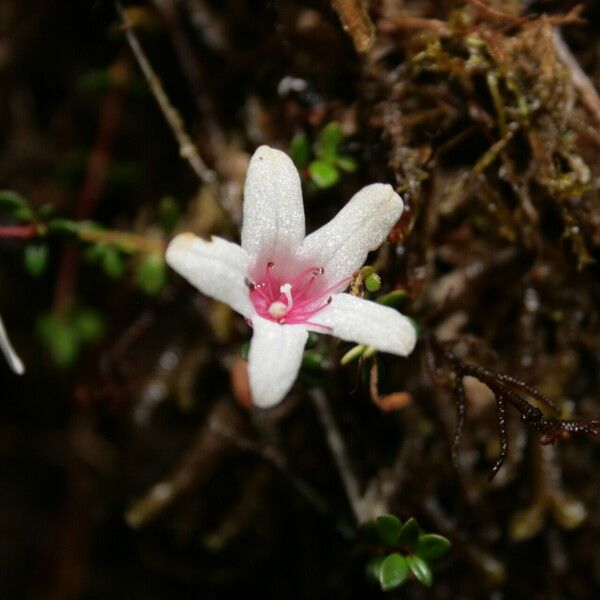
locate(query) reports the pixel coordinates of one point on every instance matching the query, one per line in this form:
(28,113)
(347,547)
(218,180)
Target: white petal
(364,322)
(16,364)
(217,268)
(274,360)
(341,246)
(273,210)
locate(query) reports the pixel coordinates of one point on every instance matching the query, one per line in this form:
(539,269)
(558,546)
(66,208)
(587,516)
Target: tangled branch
(506,391)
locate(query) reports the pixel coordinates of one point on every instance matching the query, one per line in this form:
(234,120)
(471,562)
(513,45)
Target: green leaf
(46,210)
(329,139)
(374,568)
(394,298)
(61,339)
(12,200)
(431,546)
(152,275)
(373,282)
(36,259)
(63,227)
(346,163)
(409,534)
(313,339)
(112,262)
(420,569)
(300,150)
(323,173)
(169,212)
(89,324)
(388,529)
(94,252)
(312,361)
(353,354)
(393,571)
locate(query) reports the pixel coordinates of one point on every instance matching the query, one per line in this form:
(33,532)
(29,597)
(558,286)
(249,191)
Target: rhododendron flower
(9,352)
(286,284)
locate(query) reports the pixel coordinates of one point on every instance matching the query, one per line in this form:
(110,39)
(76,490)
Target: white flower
(286,284)
(9,352)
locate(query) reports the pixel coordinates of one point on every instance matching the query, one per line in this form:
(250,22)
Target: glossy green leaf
(300,150)
(12,200)
(61,339)
(89,324)
(431,546)
(393,571)
(346,163)
(388,529)
(312,361)
(36,259)
(374,568)
(323,173)
(394,298)
(329,139)
(63,227)
(420,569)
(151,275)
(409,534)
(112,262)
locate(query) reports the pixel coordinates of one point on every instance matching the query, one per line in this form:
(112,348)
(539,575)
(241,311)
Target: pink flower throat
(292,302)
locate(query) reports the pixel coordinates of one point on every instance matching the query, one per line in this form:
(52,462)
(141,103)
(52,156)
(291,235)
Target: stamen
(314,270)
(261,293)
(302,291)
(286,290)
(268,281)
(303,315)
(326,291)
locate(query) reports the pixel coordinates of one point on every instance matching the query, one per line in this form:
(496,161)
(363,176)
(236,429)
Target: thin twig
(187,149)
(123,239)
(338,450)
(492,12)
(581,82)
(356,22)
(278,461)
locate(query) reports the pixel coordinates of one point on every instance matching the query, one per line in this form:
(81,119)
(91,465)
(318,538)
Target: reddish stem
(21,232)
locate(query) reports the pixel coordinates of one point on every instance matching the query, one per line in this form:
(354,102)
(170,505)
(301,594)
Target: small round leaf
(420,569)
(388,529)
(431,546)
(323,173)
(409,534)
(300,150)
(36,259)
(393,571)
(152,275)
(330,138)
(112,262)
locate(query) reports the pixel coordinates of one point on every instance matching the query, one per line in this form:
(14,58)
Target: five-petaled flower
(286,284)
(9,352)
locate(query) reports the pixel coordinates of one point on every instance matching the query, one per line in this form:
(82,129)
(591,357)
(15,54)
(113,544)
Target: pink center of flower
(292,302)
